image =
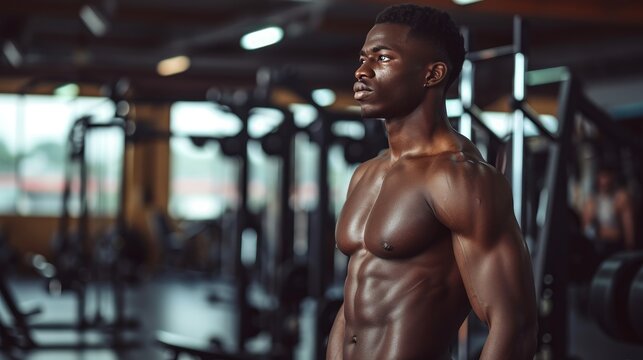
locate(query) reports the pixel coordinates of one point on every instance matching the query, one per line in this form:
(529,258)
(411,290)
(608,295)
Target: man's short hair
(432,25)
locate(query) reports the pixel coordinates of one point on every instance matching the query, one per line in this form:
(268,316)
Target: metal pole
(466,97)
(242,222)
(466,89)
(550,265)
(517,144)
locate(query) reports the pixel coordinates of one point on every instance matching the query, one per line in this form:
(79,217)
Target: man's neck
(421,132)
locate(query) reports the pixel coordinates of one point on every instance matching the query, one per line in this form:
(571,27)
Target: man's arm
(335,349)
(474,201)
(626,215)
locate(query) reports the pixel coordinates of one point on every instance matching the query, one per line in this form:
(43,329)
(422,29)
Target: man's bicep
(475,204)
(496,274)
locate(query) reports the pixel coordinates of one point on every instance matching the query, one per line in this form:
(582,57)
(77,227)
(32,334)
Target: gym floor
(180,305)
(171,303)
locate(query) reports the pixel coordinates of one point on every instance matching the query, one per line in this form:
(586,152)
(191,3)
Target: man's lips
(361,90)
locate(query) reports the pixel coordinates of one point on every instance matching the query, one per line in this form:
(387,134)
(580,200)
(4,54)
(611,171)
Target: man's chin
(367,112)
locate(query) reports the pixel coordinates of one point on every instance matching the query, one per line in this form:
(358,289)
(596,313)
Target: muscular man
(428,225)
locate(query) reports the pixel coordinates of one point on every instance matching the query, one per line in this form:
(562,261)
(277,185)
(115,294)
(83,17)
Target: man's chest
(388,214)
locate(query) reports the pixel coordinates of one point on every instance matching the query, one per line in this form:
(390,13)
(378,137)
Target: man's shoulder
(464,190)
(460,178)
(380,160)
(368,165)
(460,166)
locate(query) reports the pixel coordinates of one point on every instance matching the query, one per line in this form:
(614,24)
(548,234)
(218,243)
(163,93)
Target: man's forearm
(335,348)
(510,342)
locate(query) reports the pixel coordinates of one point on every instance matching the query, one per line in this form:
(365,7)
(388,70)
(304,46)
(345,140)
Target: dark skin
(428,225)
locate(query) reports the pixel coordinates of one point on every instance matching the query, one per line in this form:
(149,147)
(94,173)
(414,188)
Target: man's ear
(435,74)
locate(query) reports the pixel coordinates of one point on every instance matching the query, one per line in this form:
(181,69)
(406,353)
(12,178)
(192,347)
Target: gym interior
(171,172)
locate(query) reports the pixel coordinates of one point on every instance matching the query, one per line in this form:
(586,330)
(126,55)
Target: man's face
(391,75)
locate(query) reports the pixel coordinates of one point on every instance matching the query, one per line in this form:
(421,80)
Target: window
(8,153)
(203,182)
(33,152)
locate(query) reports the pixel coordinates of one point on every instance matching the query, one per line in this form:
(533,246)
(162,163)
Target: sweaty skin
(428,225)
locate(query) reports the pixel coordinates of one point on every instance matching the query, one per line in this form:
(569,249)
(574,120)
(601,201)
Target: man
(428,225)
(608,216)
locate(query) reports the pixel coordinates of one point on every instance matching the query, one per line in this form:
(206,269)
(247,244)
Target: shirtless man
(428,225)
(608,216)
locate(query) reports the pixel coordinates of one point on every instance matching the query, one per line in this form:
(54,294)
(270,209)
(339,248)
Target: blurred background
(171,172)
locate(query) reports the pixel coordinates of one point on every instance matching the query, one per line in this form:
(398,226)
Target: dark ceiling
(600,40)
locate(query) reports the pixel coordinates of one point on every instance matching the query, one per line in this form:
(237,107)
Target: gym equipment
(9,258)
(114,258)
(610,293)
(16,335)
(285,279)
(551,262)
(288,289)
(233,224)
(277,240)
(178,248)
(635,305)
(75,255)
(549,237)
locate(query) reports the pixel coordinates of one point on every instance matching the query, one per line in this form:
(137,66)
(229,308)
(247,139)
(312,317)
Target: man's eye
(361,60)
(384,58)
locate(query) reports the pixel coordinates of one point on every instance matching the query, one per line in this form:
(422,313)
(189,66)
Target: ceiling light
(95,20)
(260,38)
(465,2)
(12,53)
(519,77)
(323,97)
(174,65)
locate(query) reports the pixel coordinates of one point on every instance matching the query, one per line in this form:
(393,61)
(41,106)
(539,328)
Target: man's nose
(363,71)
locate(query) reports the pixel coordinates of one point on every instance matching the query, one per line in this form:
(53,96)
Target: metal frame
(552,248)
